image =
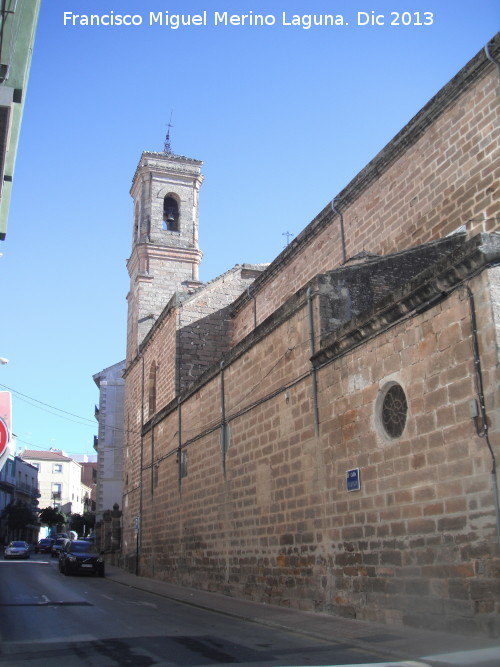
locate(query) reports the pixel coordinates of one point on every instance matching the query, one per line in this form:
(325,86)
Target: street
(52,619)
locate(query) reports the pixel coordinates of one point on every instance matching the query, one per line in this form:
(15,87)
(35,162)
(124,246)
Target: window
(392,410)
(170,214)
(56,490)
(57,467)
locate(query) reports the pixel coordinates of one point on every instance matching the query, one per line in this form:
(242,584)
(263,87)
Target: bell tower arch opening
(170,214)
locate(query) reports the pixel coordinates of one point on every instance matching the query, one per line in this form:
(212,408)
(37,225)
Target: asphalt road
(48,619)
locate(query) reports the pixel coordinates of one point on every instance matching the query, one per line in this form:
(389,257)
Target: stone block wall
(204,323)
(273,520)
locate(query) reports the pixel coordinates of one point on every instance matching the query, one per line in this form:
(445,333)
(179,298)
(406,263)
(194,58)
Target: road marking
(400,663)
(144,604)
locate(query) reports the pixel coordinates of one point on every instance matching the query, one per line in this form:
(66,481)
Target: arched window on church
(170,214)
(152,389)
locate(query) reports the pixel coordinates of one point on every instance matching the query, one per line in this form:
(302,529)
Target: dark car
(44,546)
(57,546)
(80,556)
(17,549)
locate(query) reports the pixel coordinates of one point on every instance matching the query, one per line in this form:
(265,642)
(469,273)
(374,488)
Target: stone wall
(191,332)
(272,520)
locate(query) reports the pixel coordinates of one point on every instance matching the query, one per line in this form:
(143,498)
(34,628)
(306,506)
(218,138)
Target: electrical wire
(35,403)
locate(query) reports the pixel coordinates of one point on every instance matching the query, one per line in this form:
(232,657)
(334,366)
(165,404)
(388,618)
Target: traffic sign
(4,436)
(4,441)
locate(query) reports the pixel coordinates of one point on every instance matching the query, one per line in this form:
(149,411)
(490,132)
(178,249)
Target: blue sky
(283,118)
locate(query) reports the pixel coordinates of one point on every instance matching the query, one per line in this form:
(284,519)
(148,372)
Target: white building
(60,480)
(18,485)
(109,444)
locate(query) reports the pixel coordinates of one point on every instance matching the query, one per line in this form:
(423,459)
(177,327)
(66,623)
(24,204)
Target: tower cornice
(163,163)
(155,252)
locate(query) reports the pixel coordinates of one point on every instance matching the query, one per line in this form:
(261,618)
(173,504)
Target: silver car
(17,550)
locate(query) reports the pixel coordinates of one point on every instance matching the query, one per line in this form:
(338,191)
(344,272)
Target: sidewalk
(395,642)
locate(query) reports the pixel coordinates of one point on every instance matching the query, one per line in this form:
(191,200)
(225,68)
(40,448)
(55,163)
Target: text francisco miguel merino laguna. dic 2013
(250,19)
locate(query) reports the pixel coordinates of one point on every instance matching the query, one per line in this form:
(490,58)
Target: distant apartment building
(110,442)
(89,478)
(18,484)
(60,480)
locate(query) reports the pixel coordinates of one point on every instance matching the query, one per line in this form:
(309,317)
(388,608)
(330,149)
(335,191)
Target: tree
(51,516)
(19,515)
(82,524)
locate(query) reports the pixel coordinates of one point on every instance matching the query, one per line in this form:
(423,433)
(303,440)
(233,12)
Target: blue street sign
(352,480)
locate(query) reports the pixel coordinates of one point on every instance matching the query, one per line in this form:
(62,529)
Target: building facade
(18,21)
(18,486)
(60,480)
(89,479)
(109,442)
(323,432)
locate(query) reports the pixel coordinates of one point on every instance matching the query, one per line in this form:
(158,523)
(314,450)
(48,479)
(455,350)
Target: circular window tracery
(394,411)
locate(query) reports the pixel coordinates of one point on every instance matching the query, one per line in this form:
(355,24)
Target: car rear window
(81,547)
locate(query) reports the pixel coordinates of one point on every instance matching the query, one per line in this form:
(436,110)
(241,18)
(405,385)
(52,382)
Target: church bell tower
(165,254)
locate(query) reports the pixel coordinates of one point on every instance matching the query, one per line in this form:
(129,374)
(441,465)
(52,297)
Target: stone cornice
(165,253)
(163,163)
(422,293)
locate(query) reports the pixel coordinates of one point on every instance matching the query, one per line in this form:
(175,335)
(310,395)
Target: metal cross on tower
(167,148)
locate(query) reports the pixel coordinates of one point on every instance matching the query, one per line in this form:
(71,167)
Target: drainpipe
(342,235)
(179,441)
(482,426)
(490,57)
(141,458)
(223,439)
(313,369)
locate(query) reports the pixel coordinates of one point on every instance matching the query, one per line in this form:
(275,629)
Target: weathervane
(288,236)
(167,148)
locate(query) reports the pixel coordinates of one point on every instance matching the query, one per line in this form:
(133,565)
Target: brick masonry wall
(416,545)
(449,177)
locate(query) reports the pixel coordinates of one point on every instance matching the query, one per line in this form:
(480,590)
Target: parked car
(80,556)
(44,545)
(57,546)
(17,549)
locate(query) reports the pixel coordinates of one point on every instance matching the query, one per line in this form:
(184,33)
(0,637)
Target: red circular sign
(4,436)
